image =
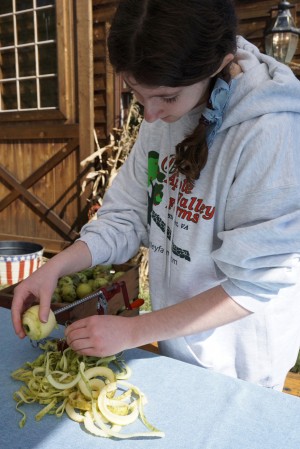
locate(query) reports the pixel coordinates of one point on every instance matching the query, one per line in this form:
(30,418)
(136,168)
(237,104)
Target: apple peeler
(103,295)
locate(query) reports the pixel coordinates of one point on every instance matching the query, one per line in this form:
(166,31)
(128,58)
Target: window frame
(65,73)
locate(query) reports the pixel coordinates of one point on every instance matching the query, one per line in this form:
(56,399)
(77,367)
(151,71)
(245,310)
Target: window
(30,48)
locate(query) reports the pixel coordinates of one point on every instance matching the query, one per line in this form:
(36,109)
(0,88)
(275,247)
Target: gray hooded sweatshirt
(237,226)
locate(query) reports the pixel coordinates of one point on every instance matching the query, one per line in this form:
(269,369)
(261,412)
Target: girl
(212,187)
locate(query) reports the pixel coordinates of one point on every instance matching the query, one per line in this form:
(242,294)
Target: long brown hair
(174,43)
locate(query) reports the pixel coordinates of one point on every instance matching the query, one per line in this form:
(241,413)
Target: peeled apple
(33,327)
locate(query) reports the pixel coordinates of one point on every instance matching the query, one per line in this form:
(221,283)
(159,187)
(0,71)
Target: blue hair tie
(212,116)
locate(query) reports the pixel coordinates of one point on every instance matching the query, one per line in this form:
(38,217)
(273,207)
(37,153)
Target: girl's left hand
(100,335)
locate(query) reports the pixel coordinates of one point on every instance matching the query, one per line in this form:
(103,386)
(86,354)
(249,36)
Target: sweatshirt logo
(189,209)
(192,209)
(156,180)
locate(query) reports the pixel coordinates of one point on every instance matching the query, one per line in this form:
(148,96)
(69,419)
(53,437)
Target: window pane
(25,28)
(6,31)
(5,6)
(48,92)
(28,55)
(9,96)
(24,4)
(7,61)
(46,25)
(47,59)
(26,61)
(28,94)
(44,2)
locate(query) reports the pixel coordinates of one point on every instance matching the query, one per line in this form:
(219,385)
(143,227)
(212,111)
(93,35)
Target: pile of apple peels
(90,390)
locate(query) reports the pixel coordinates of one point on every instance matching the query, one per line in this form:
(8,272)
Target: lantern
(281,38)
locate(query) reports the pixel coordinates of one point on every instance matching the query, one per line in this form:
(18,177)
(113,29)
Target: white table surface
(197,409)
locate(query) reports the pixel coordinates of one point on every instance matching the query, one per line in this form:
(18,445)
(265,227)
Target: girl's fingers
(80,324)
(78,333)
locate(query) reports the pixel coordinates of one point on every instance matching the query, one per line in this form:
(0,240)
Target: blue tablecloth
(197,409)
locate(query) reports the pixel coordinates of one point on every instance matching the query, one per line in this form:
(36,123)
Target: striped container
(18,260)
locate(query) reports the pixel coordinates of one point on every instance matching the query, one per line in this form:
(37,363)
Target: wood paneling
(37,198)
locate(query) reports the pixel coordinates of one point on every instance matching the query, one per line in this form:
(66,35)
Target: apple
(84,290)
(117,275)
(33,327)
(100,282)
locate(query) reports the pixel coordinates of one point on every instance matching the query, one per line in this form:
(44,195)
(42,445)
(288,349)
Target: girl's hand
(37,288)
(100,335)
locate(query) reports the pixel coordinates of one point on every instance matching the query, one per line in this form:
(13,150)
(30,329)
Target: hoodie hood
(263,77)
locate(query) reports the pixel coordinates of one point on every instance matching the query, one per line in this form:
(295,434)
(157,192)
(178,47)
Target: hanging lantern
(281,38)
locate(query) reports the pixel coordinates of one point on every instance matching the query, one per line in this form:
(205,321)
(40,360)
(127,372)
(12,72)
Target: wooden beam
(110,96)
(40,172)
(85,70)
(66,59)
(38,131)
(39,206)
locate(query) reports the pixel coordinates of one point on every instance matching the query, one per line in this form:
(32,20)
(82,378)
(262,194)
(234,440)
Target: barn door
(46,118)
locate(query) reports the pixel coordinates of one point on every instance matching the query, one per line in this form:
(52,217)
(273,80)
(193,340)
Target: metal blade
(97,294)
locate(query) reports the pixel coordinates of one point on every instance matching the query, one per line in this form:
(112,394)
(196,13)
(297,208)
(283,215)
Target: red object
(116,288)
(93,211)
(137,303)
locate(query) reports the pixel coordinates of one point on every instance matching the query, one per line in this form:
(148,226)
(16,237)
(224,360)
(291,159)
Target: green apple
(83,290)
(100,282)
(68,293)
(117,275)
(33,327)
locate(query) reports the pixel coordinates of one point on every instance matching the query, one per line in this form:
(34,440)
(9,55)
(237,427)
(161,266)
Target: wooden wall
(46,212)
